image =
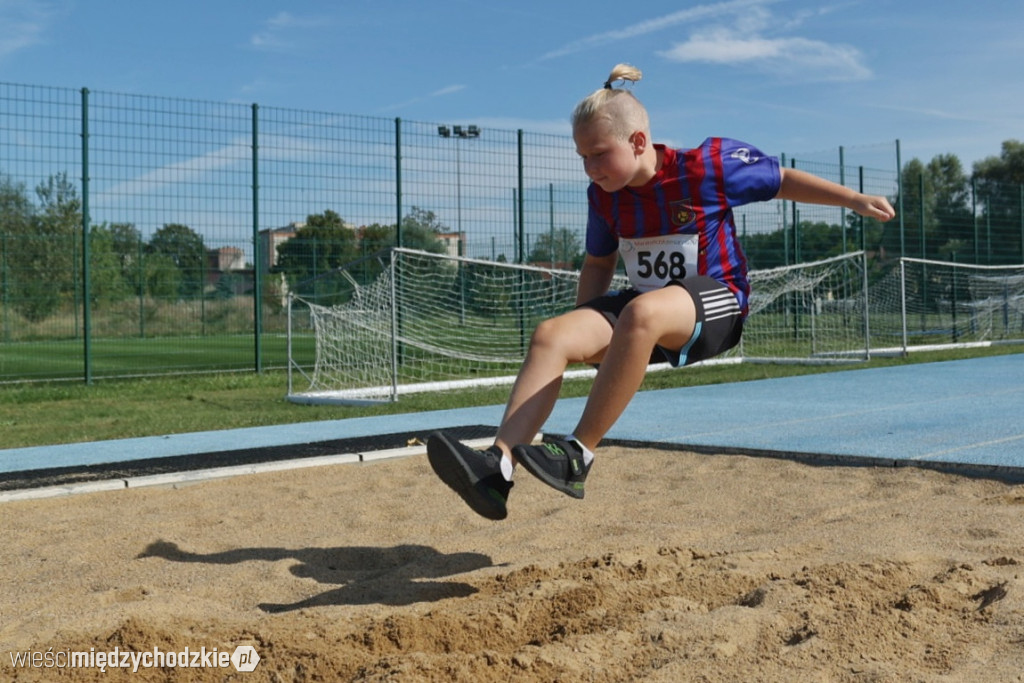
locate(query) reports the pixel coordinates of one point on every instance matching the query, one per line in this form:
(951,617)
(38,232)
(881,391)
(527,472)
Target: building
(227,271)
(454,243)
(225,258)
(270,239)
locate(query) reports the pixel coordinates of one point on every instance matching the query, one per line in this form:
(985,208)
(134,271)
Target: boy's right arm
(800,186)
(596,276)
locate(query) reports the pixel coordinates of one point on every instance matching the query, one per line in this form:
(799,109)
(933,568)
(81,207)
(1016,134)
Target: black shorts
(719,319)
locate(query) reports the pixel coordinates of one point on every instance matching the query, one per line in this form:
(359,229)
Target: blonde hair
(618,106)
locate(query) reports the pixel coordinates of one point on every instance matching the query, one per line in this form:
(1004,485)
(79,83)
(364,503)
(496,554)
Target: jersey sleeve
(601,241)
(750,175)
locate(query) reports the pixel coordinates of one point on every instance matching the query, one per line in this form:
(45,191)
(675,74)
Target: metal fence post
(86,275)
(867,304)
(520,207)
(903,304)
(520,244)
(974,220)
(842,181)
(257,279)
(899,198)
(398,182)
(863,228)
(924,249)
(796,223)
(397,349)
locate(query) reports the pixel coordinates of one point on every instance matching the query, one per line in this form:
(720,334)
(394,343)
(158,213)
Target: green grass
(61,359)
(66,412)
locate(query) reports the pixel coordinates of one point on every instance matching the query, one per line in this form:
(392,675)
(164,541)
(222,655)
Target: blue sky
(790,76)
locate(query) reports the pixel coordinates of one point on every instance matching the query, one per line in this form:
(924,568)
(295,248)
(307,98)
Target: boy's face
(611,162)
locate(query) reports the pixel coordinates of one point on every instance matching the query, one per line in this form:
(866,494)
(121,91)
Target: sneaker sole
(526,460)
(449,466)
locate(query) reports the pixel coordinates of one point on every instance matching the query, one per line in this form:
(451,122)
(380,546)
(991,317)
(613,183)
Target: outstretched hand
(875,207)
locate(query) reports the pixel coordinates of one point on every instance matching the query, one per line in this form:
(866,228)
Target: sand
(676,567)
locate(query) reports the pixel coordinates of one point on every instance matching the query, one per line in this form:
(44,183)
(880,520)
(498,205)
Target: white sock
(588,455)
(507,468)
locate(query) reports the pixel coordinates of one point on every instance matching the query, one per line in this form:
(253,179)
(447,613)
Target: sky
(789,76)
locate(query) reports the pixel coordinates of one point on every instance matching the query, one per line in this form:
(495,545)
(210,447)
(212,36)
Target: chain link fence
(143,235)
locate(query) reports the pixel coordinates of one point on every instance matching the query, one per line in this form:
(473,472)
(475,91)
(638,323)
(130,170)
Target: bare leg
(666,317)
(578,336)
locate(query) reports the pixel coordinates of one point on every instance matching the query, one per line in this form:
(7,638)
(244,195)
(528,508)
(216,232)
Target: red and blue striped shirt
(681,223)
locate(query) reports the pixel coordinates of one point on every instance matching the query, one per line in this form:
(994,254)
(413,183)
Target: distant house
(227,272)
(271,239)
(454,243)
(225,259)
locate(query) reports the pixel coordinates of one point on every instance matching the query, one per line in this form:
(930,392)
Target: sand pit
(676,567)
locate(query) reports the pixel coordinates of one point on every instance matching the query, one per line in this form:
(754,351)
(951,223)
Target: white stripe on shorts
(719,304)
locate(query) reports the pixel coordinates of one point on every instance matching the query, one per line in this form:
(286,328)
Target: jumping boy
(668,214)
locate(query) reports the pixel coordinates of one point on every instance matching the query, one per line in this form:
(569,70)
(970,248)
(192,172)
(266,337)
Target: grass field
(62,359)
(67,412)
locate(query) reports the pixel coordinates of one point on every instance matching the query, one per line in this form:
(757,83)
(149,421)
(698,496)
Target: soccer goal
(925,305)
(406,321)
(422,322)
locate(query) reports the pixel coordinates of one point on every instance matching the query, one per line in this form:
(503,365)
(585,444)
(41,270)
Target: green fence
(144,235)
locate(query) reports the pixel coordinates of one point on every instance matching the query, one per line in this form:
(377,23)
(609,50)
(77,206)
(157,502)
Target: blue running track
(967,413)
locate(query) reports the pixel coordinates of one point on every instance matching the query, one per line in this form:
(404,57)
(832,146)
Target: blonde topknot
(617,105)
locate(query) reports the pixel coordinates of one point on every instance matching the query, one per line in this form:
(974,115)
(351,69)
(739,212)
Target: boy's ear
(639,141)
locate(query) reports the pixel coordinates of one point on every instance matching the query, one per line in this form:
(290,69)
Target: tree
(1006,169)
(107,277)
(420,230)
(162,277)
(375,237)
(560,248)
(183,247)
(998,182)
(16,213)
(936,205)
(422,220)
(45,250)
(126,243)
(950,202)
(323,244)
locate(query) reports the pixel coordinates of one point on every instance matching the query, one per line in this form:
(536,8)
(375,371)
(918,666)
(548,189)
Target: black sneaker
(556,462)
(474,475)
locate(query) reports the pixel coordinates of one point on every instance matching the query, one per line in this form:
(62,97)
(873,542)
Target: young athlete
(667,214)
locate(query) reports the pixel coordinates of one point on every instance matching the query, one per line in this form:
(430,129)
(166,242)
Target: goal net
(404,321)
(924,304)
(426,322)
(809,312)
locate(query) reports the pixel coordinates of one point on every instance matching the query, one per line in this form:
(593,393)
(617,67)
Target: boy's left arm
(800,186)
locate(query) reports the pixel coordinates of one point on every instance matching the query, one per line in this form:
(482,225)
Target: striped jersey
(680,223)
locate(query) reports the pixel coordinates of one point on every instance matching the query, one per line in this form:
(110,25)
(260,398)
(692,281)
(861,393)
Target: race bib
(653,262)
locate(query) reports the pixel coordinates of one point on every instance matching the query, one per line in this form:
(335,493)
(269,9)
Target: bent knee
(577,336)
(641,312)
(671,312)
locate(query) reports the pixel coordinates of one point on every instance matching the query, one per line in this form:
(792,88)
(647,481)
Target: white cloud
(447,90)
(284,31)
(22,23)
(186,171)
(440,92)
(657,24)
(743,33)
(794,57)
